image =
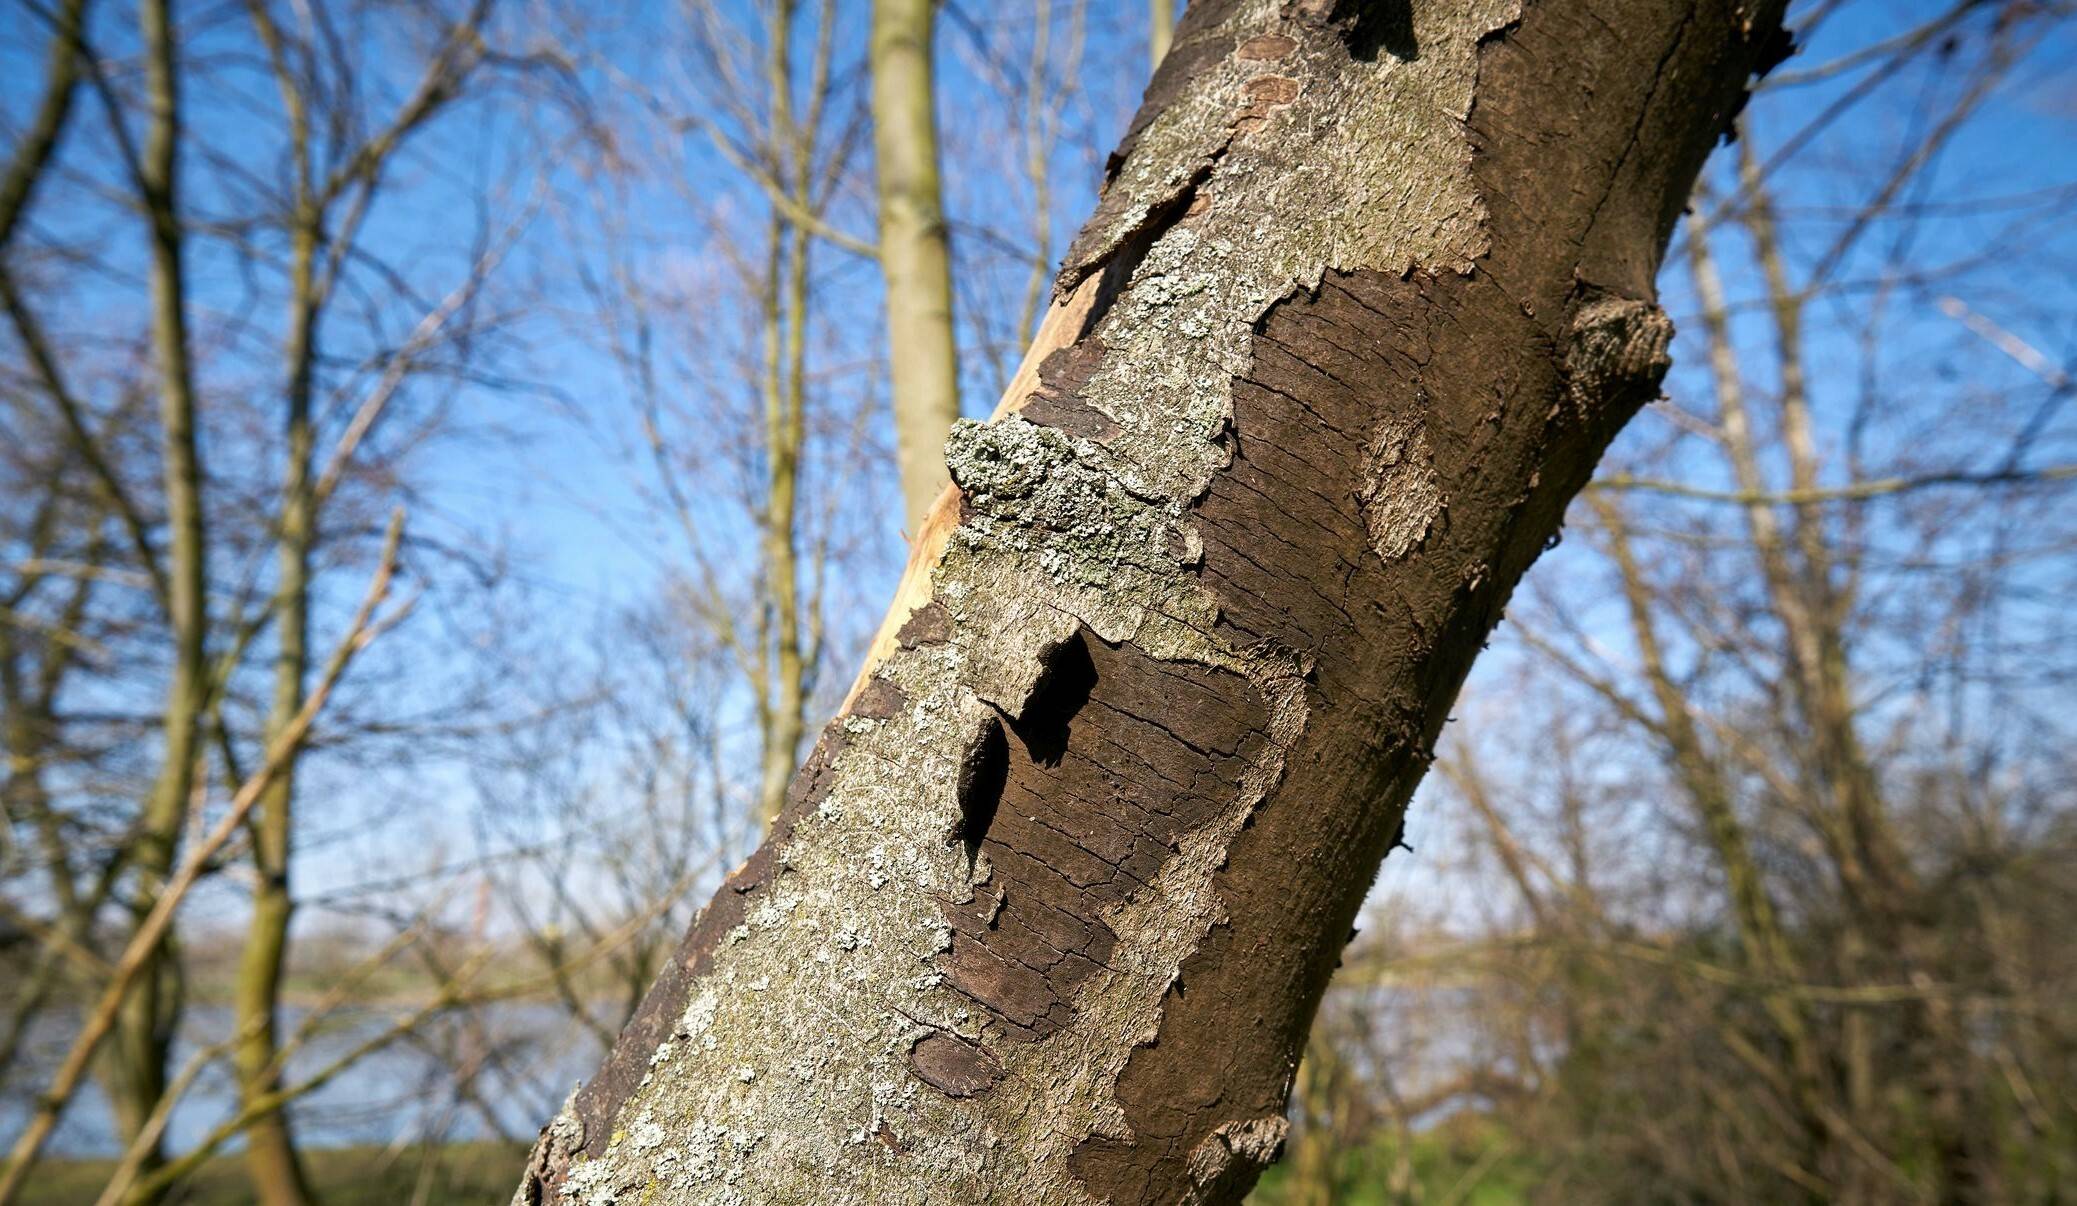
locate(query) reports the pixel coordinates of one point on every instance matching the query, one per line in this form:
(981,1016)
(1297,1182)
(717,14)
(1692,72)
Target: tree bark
(923,369)
(1368,290)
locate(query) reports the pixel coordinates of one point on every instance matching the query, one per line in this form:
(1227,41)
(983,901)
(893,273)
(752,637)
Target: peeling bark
(1051,906)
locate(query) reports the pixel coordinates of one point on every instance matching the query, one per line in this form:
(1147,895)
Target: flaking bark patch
(1401,499)
(954,1066)
(1121,759)
(929,624)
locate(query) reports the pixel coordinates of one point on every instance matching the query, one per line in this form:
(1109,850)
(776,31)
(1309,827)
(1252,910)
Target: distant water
(498,1071)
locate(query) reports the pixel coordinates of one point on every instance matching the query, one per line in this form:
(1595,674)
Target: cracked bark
(1052,903)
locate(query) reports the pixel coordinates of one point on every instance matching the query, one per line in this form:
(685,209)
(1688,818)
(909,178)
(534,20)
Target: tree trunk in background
(1054,899)
(270,1152)
(785,698)
(150,1014)
(922,358)
(1161,28)
(782,700)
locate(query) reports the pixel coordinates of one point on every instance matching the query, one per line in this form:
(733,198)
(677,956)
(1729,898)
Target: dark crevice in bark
(1369,26)
(1063,689)
(981,779)
(1119,756)
(1119,260)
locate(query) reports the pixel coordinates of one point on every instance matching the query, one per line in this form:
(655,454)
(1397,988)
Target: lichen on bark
(861,1028)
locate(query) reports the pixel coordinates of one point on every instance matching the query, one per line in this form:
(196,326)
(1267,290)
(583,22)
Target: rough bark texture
(1053,902)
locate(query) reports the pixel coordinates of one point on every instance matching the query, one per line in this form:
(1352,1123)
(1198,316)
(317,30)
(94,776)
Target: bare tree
(755,456)
(144,568)
(150,1009)
(332,182)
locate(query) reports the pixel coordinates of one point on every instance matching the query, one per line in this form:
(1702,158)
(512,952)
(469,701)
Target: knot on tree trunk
(1225,1164)
(1617,355)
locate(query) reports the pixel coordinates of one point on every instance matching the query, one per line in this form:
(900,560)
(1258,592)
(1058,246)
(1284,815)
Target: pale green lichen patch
(1060,513)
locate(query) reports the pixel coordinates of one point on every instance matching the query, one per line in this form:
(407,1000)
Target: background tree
(1161,24)
(181,606)
(922,365)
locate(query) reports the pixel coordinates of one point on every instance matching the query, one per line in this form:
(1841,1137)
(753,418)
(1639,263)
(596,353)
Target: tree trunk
(782,699)
(275,1169)
(150,1012)
(1054,899)
(923,372)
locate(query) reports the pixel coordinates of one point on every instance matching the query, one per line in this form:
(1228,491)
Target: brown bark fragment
(954,1066)
(1271,90)
(880,700)
(1117,757)
(929,624)
(1057,402)
(1265,48)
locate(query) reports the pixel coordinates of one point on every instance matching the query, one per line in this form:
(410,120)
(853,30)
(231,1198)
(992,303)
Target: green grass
(1465,1161)
(460,1174)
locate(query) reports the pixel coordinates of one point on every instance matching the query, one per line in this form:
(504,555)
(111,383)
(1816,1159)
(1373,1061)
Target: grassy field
(1464,1162)
(461,1174)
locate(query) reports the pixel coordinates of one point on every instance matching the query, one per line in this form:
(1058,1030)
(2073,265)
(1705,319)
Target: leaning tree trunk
(1053,901)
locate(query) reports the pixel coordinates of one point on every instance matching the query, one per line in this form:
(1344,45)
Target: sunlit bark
(1051,906)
